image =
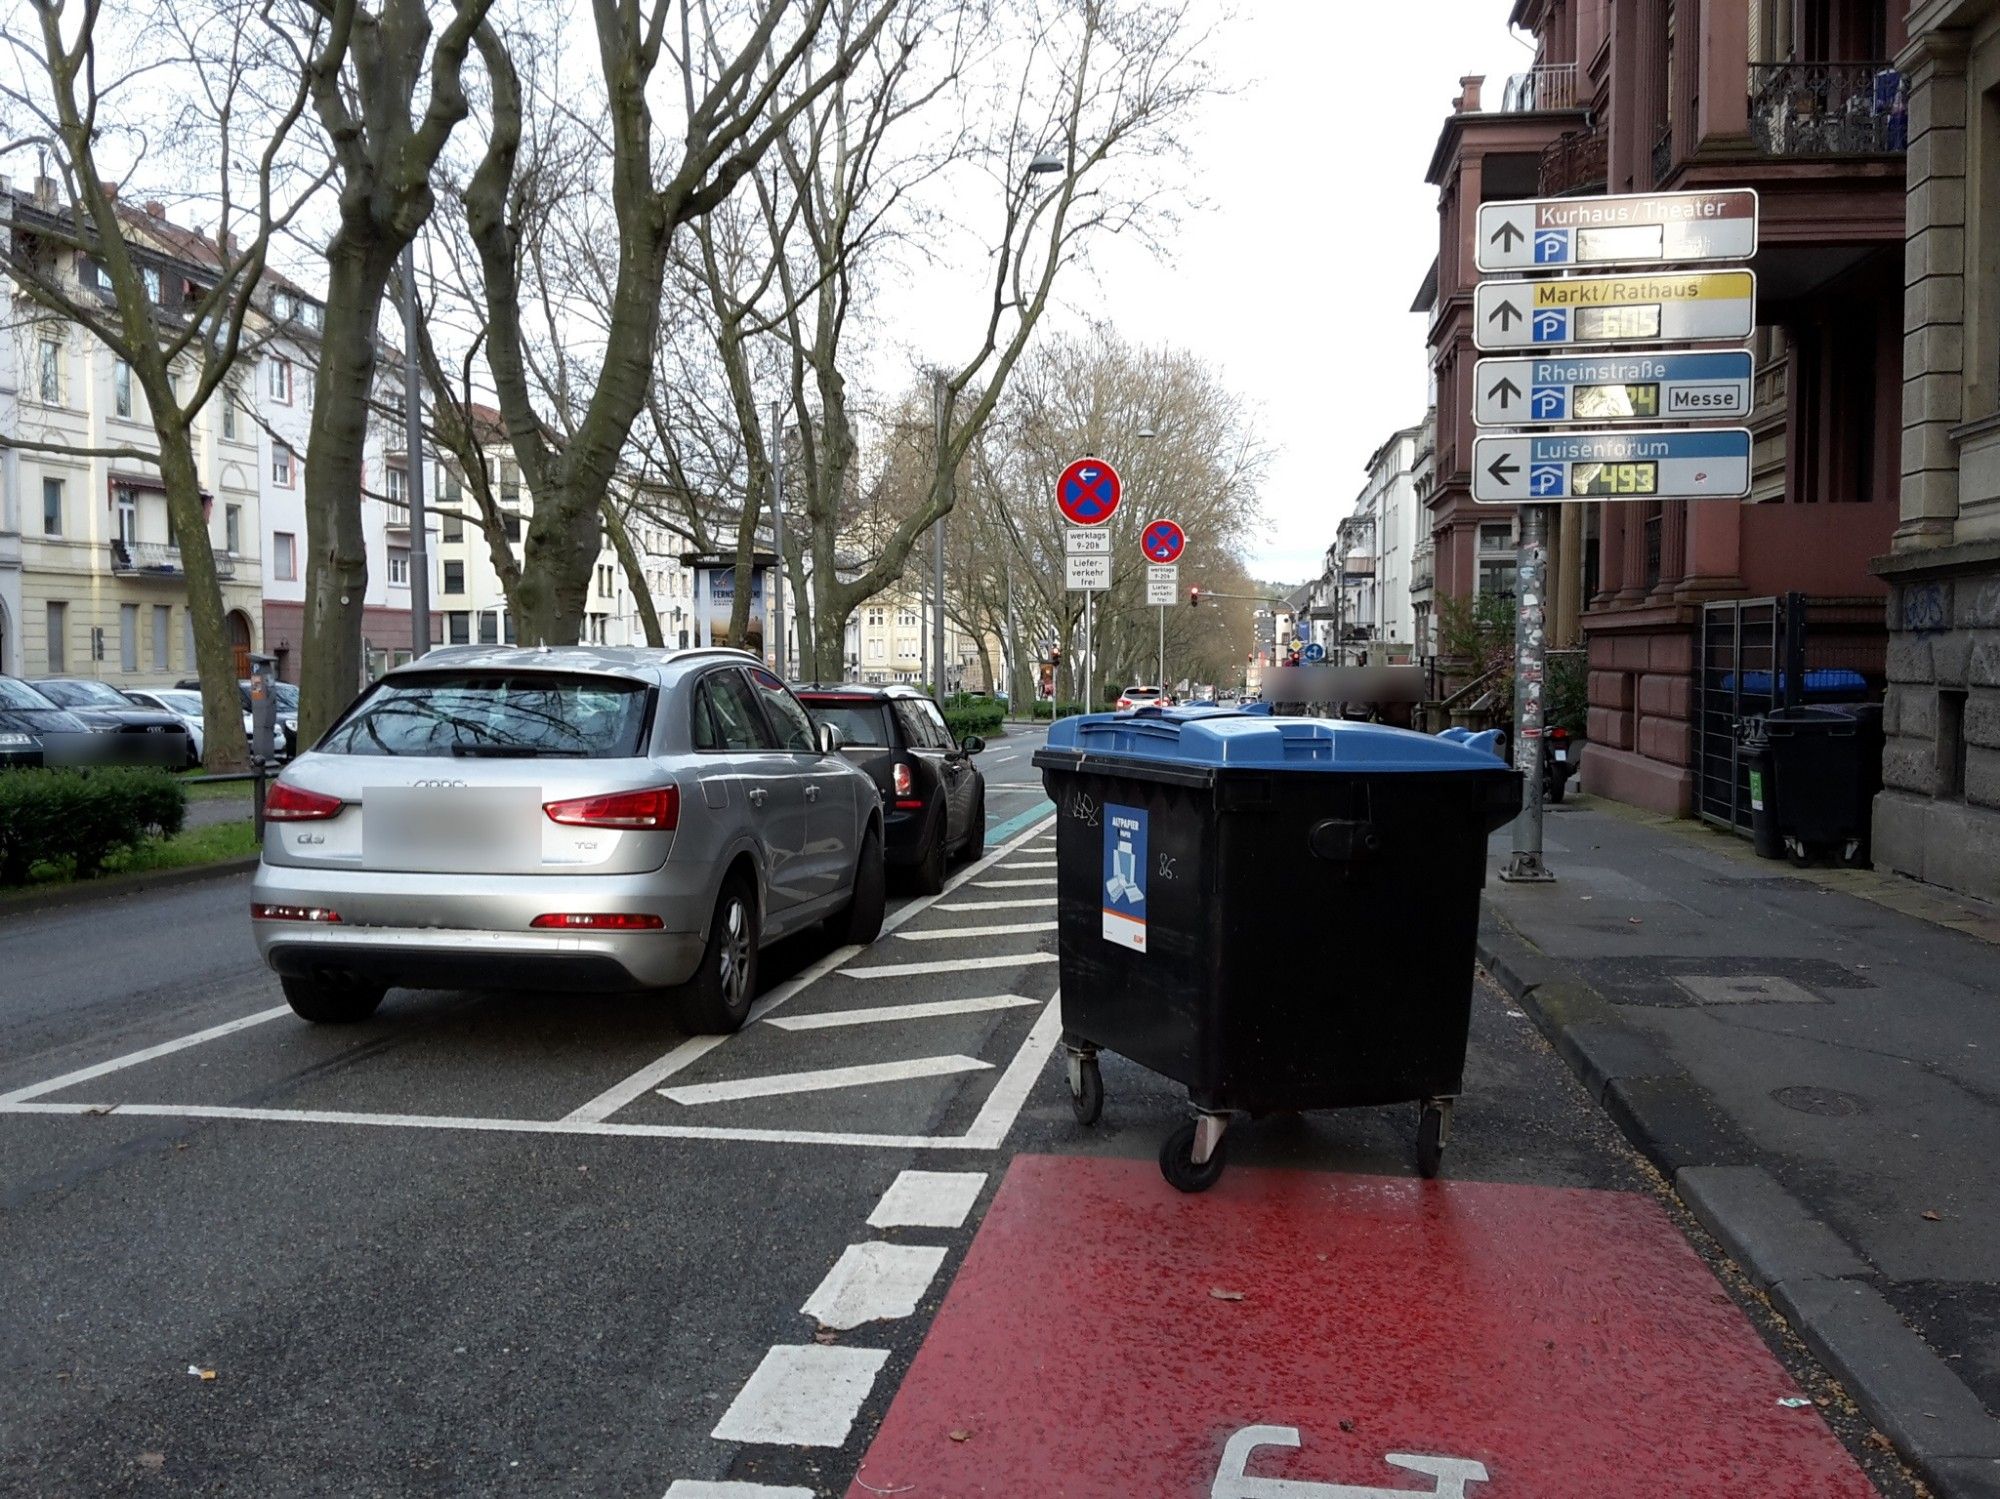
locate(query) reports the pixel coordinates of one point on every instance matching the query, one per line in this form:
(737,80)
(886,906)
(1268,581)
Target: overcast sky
(1297,278)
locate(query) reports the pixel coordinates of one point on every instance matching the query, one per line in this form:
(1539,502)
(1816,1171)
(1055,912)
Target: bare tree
(81,86)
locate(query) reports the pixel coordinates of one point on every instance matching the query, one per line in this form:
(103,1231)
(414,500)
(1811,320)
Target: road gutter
(84,892)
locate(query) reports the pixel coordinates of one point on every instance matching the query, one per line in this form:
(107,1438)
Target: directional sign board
(1163,584)
(1163,541)
(1089,573)
(1699,464)
(1580,388)
(1082,541)
(1622,229)
(1313,652)
(1649,308)
(1088,492)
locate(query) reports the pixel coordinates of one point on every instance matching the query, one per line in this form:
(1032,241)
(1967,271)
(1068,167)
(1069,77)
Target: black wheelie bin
(1278,913)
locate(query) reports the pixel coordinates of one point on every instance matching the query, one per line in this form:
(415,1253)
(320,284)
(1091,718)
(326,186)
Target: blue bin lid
(1226,739)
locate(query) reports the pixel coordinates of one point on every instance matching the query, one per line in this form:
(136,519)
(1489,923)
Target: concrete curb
(89,891)
(1812,1275)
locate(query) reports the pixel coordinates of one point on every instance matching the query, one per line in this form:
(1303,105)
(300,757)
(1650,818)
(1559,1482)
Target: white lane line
(802,1397)
(950,933)
(1038,883)
(873,1282)
(928,1199)
(824,1080)
(929,1010)
(134,1058)
(1031,864)
(1003,1105)
(1016,903)
(947,965)
(992,790)
(702,1488)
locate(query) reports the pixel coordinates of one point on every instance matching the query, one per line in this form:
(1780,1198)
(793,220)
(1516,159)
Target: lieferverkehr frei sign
(1651,307)
(1618,229)
(1580,389)
(1697,464)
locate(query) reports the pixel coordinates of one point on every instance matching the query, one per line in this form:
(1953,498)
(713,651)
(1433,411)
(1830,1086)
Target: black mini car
(933,797)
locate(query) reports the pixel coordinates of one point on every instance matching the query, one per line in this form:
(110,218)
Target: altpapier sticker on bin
(1125,876)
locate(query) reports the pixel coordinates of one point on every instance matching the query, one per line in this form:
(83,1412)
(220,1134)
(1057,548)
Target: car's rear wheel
(928,874)
(861,922)
(716,1001)
(332,1001)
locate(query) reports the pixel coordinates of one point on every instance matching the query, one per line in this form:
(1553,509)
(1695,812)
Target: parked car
(139,736)
(287,696)
(1144,697)
(933,795)
(35,731)
(580,819)
(185,705)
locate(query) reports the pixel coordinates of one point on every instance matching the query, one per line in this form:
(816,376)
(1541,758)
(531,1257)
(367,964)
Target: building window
(1497,563)
(510,485)
(906,618)
(875,618)
(605,577)
(121,387)
(877,650)
(58,617)
(454,577)
(285,556)
(454,490)
(150,274)
(398,484)
(458,627)
(232,528)
(283,467)
(163,621)
(512,522)
(506,627)
(230,396)
(281,381)
(399,567)
(52,507)
(453,527)
(128,637)
(50,371)
(489,626)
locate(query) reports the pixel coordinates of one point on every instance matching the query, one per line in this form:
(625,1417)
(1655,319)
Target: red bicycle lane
(1300,1335)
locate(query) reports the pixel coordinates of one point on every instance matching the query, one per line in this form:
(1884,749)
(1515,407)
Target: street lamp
(1046,161)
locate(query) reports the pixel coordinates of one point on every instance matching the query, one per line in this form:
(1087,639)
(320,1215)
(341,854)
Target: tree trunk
(635,574)
(223,747)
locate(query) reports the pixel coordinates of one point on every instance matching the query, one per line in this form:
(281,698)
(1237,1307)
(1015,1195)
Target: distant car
(933,796)
(185,705)
(576,820)
(1144,697)
(34,730)
(134,735)
(287,696)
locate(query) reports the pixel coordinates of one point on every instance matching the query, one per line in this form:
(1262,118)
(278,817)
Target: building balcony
(1552,86)
(1663,155)
(153,559)
(1807,109)
(1574,162)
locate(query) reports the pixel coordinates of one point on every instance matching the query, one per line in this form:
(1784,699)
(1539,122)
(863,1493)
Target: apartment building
(892,640)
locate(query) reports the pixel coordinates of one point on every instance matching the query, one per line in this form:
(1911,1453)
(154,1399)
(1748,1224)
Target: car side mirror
(971,744)
(830,738)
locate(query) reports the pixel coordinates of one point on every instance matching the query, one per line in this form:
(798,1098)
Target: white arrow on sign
(1705,463)
(1649,308)
(1619,229)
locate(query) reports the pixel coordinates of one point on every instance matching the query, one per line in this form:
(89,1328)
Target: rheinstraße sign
(1618,229)
(1650,307)
(1582,389)
(1686,464)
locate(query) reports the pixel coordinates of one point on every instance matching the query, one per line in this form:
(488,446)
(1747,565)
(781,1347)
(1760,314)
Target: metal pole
(942,414)
(1013,647)
(413,477)
(1531,645)
(1163,649)
(777,440)
(1088,669)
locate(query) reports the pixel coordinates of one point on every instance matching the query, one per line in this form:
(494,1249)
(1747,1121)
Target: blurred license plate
(451,827)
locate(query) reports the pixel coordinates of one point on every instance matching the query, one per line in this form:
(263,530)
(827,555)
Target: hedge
(973,715)
(1046,709)
(82,816)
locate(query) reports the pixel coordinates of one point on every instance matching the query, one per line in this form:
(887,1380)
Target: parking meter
(263,708)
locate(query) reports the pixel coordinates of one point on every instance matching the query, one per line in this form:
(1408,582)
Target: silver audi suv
(574,819)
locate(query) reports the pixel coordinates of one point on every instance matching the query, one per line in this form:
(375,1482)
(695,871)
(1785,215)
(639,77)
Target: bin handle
(1342,840)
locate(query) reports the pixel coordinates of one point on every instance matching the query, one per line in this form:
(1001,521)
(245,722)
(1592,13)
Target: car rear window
(500,714)
(862,724)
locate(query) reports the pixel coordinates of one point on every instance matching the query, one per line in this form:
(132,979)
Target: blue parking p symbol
(1546,403)
(1551,246)
(1551,325)
(1545,478)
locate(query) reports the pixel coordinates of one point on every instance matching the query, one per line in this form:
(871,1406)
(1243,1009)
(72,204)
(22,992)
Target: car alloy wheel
(734,958)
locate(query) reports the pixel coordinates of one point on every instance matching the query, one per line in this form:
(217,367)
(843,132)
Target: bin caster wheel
(1178,1166)
(1086,1091)
(1430,1140)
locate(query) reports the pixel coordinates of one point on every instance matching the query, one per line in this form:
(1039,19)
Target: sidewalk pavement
(1813,1058)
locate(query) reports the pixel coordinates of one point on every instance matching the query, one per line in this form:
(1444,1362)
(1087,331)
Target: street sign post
(1649,308)
(1163,541)
(1163,584)
(1082,541)
(1657,464)
(1088,491)
(1575,389)
(1621,229)
(1088,572)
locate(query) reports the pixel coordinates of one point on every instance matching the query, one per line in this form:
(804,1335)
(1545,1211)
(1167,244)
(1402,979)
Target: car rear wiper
(514,752)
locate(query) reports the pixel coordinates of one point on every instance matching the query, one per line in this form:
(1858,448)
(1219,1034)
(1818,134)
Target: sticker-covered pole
(1531,651)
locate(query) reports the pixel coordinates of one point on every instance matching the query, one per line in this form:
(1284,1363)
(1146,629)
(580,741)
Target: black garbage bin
(1754,745)
(1277,912)
(1827,761)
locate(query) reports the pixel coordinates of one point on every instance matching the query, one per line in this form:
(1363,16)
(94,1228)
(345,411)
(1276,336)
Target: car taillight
(656,807)
(1558,733)
(903,781)
(597,921)
(261,912)
(284,802)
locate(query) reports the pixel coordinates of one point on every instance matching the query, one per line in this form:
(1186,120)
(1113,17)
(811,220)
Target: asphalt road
(493,1244)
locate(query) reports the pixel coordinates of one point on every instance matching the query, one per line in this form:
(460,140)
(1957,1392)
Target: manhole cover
(1745,989)
(1827,1101)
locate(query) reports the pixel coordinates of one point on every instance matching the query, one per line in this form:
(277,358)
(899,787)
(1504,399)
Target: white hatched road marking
(873,1282)
(951,933)
(928,1199)
(945,965)
(802,1396)
(1030,864)
(701,1488)
(1032,884)
(134,1058)
(824,1080)
(1014,904)
(928,1010)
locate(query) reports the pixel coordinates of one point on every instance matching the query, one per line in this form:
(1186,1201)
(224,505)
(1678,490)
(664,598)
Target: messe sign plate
(1087,573)
(1081,541)
(1622,229)
(1163,584)
(1587,389)
(1706,464)
(1650,308)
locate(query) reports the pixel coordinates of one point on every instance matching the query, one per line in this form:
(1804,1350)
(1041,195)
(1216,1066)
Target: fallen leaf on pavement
(200,1373)
(153,1460)
(961,1435)
(1221,1295)
(1933,1217)
(825,1335)
(1636,921)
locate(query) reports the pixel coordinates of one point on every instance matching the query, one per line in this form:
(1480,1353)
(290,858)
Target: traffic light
(1194,596)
